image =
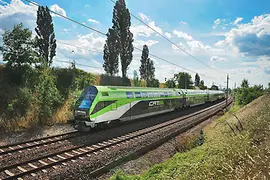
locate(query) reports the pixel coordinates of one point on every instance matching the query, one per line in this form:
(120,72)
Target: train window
(150,94)
(105,94)
(144,94)
(161,94)
(169,93)
(137,94)
(129,94)
(156,94)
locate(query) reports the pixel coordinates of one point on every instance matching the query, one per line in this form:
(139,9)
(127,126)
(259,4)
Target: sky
(217,37)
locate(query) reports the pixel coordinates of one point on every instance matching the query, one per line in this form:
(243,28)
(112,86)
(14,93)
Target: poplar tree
(121,24)
(197,79)
(45,39)
(110,53)
(147,69)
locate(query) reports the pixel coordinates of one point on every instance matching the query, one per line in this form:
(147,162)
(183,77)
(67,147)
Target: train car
(98,105)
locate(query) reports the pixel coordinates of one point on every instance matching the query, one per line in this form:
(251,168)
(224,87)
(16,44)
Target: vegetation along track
(44,163)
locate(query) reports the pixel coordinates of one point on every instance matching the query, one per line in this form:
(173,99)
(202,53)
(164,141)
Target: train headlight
(80,113)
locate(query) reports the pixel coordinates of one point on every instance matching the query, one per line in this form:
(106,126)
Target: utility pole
(227,91)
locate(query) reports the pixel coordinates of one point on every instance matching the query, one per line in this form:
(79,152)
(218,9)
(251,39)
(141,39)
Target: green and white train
(98,105)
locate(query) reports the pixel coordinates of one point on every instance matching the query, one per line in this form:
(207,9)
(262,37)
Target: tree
(18,47)
(136,79)
(184,80)
(170,83)
(202,86)
(244,83)
(147,69)
(121,24)
(110,53)
(197,79)
(214,87)
(45,39)
(153,83)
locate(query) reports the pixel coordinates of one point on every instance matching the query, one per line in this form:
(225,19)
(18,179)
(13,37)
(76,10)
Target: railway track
(42,164)
(7,149)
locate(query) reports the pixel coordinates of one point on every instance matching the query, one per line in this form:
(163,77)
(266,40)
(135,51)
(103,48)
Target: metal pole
(227,92)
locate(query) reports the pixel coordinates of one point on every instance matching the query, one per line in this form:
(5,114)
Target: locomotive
(99,105)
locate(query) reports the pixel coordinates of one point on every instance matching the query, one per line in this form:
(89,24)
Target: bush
(245,95)
(114,81)
(48,95)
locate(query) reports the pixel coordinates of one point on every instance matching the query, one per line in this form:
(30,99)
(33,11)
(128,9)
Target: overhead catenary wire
(93,29)
(170,41)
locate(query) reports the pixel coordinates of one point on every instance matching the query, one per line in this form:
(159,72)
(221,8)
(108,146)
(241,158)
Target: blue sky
(229,36)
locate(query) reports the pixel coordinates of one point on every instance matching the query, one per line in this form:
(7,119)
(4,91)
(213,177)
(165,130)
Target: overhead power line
(67,18)
(61,42)
(170,40)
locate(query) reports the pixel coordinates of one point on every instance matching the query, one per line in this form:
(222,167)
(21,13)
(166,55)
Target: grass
(225,154)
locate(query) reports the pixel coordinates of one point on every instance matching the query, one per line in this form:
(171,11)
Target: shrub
(114,81)
(48,95)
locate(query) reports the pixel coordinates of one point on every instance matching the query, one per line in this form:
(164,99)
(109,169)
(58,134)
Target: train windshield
(86,98)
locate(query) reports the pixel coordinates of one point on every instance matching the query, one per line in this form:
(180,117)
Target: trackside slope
(235,147)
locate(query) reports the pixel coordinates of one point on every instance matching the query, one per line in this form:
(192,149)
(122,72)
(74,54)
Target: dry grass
(228,153)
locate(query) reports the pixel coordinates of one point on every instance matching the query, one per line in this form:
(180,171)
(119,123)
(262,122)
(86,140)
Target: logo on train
(155,103)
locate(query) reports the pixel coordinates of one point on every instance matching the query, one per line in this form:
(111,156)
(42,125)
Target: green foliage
(197,80)
(121,25)
(184,80)
(202,86)
(214,87)
(170,83)
(64,80)
(83,79)
(45,39)
(111,53)
(18,47)
(48,95)
(153,83)
(246,94)
(19,105)
(114,80)
(245,83)
(147,69)
(136,79)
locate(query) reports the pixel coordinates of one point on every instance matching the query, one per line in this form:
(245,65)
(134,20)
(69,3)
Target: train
(101,105)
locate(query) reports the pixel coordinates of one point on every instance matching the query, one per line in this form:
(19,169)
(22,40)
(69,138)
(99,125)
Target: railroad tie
(42,162)
(68,154)
(83,150)
(21,169)
(96,146)
(76,152)
(9,173)
(51,159)
(32,165)
(61,157)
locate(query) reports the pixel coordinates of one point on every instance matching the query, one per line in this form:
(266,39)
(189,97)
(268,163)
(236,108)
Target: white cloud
(140,43)
(239,19)
(142,30)
(168,35)
(144,17)
(182,35)
(58,10)
(183,22)
(217,58)
(93,21)
(250,39)
(216,23)
(87,5)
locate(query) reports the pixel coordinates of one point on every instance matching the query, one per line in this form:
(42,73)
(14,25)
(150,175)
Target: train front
(82,120)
